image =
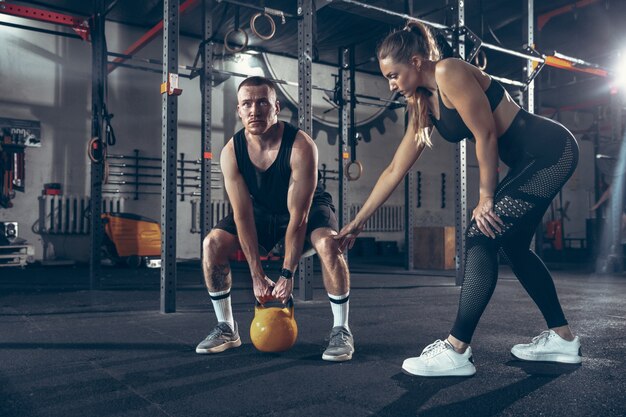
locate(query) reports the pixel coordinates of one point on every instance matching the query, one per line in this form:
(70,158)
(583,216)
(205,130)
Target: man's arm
(243,212)
(299,197)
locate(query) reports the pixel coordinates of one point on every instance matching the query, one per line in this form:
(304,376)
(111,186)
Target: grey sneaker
(222,337)
(341,345)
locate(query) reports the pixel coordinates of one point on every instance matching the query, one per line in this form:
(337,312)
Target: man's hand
(263,289)
(283,289)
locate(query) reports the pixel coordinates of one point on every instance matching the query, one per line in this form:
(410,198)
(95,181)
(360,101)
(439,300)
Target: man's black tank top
(269,188)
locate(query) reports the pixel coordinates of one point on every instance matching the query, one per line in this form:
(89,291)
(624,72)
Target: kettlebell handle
(288,304)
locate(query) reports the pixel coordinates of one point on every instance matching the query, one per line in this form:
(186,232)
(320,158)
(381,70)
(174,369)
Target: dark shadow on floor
(97,346)
(13,403)
(544,368)
(495,402)
(418,392)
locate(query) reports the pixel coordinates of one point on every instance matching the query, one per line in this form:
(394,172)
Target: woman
(461,101)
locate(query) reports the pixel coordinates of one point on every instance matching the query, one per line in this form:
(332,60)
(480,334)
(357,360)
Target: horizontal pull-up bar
(557,60)
(267,10)
(509,81)
(392,13)
(511,52)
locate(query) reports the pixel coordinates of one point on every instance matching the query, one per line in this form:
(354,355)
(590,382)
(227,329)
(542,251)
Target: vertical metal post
(347,156)
(460,171)
(529,97)
(306,12)
(168,159)
(344,135)
(206,81)
(530,41)
(410,204)
(98,83)
(615,261)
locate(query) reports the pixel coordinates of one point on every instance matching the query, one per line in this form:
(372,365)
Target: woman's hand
(348,234)
(486,219)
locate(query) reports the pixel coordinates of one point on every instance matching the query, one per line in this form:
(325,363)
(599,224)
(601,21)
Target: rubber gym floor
(68,351)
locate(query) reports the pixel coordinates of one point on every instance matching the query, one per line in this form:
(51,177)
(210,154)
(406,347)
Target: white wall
(48,78)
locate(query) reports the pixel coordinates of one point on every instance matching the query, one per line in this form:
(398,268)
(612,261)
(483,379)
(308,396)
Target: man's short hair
(256,81)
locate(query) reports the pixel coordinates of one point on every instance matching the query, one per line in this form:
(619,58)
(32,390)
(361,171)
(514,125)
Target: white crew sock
(340,306)
(222,307)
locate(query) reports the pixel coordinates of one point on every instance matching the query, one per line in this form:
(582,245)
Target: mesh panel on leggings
(507,208)
(479,282)
(546,182)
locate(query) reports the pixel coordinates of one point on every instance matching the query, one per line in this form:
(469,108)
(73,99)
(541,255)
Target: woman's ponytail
(400,46)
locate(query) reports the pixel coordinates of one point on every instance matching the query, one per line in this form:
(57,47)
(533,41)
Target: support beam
(98,92)
(346,115)
(169,139)
(206,81)
(460,177)
(529,90)
(530,41)
(409,211)
(615,257)
(306,24)
(544,18)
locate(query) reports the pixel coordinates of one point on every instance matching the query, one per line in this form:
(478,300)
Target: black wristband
(285,273)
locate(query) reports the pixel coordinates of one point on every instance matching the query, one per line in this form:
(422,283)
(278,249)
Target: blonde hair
(400,46)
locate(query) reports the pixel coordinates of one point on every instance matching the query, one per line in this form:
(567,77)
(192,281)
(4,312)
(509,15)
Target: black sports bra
(451,126)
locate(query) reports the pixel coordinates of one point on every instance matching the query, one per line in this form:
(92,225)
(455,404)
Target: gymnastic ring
(359,170)
(271,22)
(242,47)
(480,60)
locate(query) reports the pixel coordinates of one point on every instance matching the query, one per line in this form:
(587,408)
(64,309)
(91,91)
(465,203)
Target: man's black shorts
(271,228)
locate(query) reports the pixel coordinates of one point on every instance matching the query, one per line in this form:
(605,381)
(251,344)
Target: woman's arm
(462,89)
(407,153)
(457,82)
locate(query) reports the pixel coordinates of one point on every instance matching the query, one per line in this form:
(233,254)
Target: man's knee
(327,248)
(217,245)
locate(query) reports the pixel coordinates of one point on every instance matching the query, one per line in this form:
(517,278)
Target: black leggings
(542,156)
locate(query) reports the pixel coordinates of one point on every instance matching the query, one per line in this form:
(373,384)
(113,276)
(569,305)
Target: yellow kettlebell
(274,329)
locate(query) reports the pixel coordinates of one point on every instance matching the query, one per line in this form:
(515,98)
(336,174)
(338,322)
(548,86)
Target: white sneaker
(440,359)
(549,347)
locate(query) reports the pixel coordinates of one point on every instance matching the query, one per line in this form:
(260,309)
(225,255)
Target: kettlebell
(274,329)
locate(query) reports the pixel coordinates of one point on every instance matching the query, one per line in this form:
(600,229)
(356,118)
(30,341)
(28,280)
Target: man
(270,175)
